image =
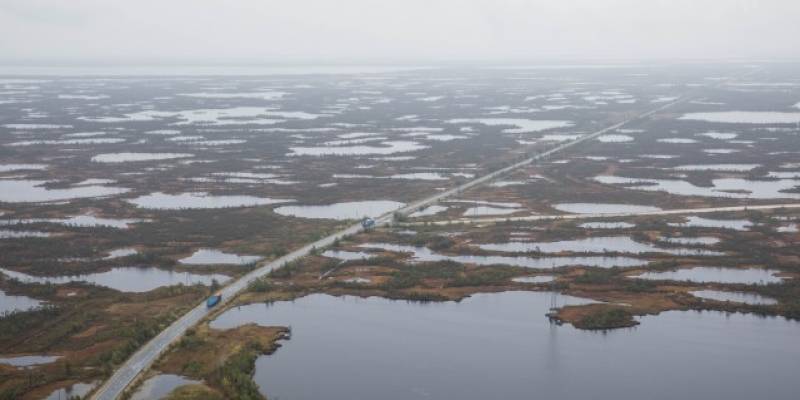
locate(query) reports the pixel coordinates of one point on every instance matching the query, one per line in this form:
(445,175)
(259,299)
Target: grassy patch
(224,359)
(194,392)
(601,318)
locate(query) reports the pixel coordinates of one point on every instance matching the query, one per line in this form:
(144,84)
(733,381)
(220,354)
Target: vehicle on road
(213,300)
(367,222)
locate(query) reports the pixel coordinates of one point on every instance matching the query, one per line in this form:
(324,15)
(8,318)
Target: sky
(39,32)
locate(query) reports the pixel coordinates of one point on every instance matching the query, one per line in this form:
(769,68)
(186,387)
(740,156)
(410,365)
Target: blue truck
(213,300)
(367,222)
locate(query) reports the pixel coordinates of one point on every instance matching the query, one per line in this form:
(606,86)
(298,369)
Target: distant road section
(536,157)
(149,353)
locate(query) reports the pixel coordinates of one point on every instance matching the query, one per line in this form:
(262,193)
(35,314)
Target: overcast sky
(407,31)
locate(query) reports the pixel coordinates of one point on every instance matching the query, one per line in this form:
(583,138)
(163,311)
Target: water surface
(603,208)
(502,184)
(388,147)
(186,201)
(534,279)
(718,167)
(81,221)
(489,210)
(9,303)
(700,222)
(745,117)
(341,211)
(716,274)
(358,280)
(216,257)
(125,279)
(502,346)
(32,191)
(606,225)
(719,135)
(13,234)
(606,244)
(677,140)
(737,297)
(790,228)
(614,138)
(428,211)
(686,240)
(721,187)
(159,386)
(22,167)
(129,157)
(345,255)
(425,254)
(77,390)
(518,125)
(28,361)
(122,252)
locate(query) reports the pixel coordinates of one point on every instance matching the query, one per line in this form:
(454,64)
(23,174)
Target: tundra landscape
(561,230)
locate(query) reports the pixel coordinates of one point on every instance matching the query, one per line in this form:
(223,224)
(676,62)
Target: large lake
(502,346)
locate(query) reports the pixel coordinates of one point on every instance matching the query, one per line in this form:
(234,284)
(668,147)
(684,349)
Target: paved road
(144,358)
(681,211)
(536,157)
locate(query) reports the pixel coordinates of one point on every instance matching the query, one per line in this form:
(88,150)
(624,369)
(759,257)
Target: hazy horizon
(394,200)
(313,32)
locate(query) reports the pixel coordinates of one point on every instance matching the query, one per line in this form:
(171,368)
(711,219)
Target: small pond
(216,257)
(426,254)
(125,279)
(159,386)
(716,274)
(341,211)
(736,297)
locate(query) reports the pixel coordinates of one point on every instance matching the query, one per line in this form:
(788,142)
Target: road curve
(149,353)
